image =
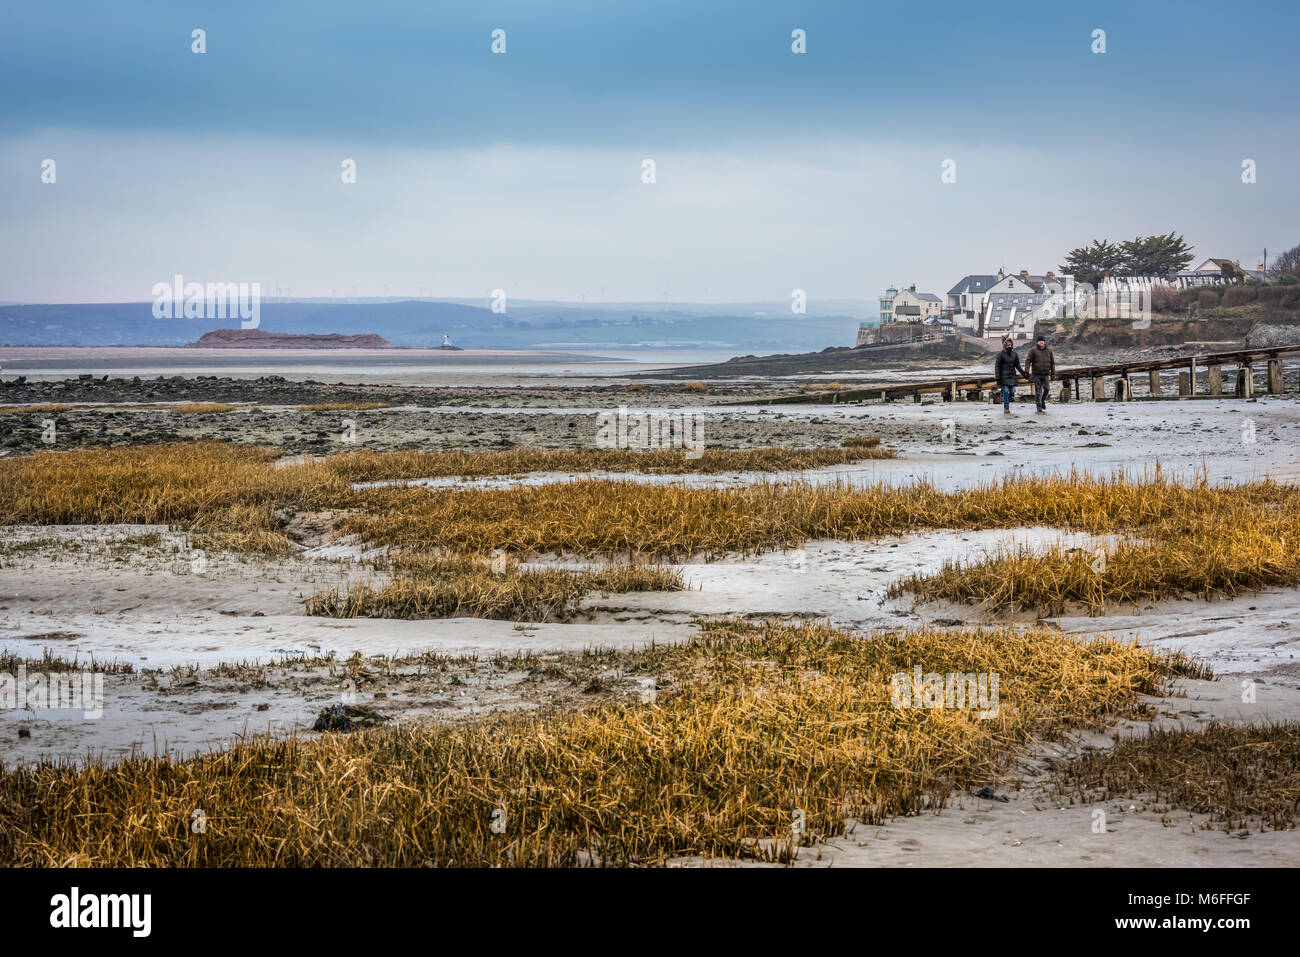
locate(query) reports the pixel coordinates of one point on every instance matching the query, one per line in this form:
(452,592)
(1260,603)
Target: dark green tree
(1155,255)
(1089,263)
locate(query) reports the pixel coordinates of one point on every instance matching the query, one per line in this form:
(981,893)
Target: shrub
(1208,299)
(1167,299)
(1239,296)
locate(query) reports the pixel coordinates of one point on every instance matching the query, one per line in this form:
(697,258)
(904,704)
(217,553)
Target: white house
(966,299)
(1026,283)
(927,305)
(1013,314)
(1215,272)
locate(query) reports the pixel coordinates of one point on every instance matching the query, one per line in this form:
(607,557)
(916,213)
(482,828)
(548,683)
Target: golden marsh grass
(343,406)
(1241,776)
(201,408)
(749,724)
(457,586)
(44,407)
(1198,538)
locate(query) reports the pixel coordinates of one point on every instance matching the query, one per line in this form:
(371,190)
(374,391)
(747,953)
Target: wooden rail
(1070,379)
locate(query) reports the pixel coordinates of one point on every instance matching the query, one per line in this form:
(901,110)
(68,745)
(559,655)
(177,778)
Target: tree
(1090,263)
(1287,264)
(1155,255)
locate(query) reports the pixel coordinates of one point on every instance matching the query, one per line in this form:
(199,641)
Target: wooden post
(1065,391)
(1184,384)
(1098,388)
(1076,390)
(1275,376)
(1153,381)
(916,397)
(1245,381)
(1192,375)
(1216,380)
(1123,389)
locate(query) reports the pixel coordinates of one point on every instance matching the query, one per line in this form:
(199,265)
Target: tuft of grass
(201,408)
(753,723)
(695,387)
(1232,549)
(176,482)
(343,406)
(42,407)
(1242,776)
(861,441)
(469,586)
(50,663)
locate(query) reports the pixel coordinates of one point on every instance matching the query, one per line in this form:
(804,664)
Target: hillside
(553,327)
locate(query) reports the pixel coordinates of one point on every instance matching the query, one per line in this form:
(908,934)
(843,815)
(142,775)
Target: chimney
(1024,274)
(912,287)
(1050,274)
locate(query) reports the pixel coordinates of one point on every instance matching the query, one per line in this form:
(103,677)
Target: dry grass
(695,387)
(861,442)
(201,408)
(44,407)
(50,663)
(593,517)
(751,724)
(1235,547)
(343,406)
(367,466)
(179,482)
(1182,538)
(469,586)
(1241,776)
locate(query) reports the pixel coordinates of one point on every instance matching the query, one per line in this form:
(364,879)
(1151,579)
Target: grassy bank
(751,728)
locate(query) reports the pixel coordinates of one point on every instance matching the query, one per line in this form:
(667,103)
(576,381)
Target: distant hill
(261,339)
(422,324)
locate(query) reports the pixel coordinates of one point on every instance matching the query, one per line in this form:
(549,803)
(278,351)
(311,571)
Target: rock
(987,793)
(348,717)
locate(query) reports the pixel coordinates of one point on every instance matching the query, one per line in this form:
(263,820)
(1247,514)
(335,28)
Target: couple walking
(1007,370)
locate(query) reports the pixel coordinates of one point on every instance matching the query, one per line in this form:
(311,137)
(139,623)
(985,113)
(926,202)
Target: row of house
(1009,304)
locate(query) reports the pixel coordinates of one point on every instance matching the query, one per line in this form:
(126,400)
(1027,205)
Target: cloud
(839,219)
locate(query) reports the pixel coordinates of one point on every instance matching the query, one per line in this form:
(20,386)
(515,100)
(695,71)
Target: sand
(134,595)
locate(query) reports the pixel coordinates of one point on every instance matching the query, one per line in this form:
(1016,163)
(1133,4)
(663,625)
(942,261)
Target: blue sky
(774,170)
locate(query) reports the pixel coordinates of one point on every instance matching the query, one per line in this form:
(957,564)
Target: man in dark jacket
(1007,370)
(1042,366)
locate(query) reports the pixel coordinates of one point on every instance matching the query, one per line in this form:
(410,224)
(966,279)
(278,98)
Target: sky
(524,170)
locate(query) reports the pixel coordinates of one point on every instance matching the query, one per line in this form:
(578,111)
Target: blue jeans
(1008,393)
